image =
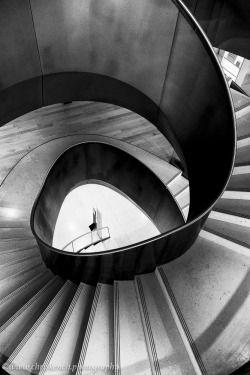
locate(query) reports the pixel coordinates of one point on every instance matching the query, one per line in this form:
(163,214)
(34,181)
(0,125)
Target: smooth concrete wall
(20,69)
(226,23)
(127,40)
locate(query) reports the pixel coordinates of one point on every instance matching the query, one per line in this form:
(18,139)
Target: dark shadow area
(226,315)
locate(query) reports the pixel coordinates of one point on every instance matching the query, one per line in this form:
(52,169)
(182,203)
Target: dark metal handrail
(92,241)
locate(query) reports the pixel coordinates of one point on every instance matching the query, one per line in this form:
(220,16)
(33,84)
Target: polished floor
(22,135)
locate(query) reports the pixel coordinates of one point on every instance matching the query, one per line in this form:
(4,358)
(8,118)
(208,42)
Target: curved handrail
(85,234)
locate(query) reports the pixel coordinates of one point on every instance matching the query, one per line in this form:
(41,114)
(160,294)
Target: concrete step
(177,184)
(13,282)
(11,303)
(231,227)
(131,355)
(6,222)
(229,194)
(185,211)
(18,265)
(13,244)
(212,294)
(241,103)
(97,352)
(240,182)
(243,156)
(243,142)
(165,346)
(30,354)
(65,350)
(18,325)
(243,126)
(234,206)
(179,188)
(241,170)
(183,197)
(11,255)
(220,240)
(12,233)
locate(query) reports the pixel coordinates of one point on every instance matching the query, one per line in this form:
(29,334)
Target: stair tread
(11,233)
(99,335)
(6,245)
(132,350)
(234,230)
(19,324)
(243,128)
(65,350)
(18,265)
(183,198)
(170,355)
(238,207)
(239,99)
(35,345)
(15,300)
(11,283)
(239,182)
(218,300)
(178,184)
(7,257)
(243,155)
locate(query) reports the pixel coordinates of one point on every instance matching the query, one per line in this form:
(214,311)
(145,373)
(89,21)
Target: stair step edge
(225,241)
(28,303)
(7,364)
(180,322)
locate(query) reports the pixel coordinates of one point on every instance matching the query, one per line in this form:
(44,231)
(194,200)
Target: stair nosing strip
(16,239)
(88,329)
(183,323)
(19,273)
(182,191)
(222,211)
(174,177)
(19,260)
(148,326)
(61,329)
(27,304)
(239,217)
(36,325)
(225,237)
(243,106)
(4,252)
(117,330)
(22,287)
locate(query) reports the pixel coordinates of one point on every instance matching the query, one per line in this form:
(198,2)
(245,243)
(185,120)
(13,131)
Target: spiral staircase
(186,308)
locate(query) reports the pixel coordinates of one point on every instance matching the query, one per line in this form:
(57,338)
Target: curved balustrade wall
(226,23)
(106,164)
(102,163)
(149,56)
